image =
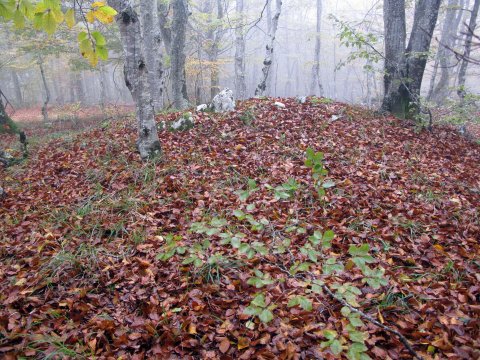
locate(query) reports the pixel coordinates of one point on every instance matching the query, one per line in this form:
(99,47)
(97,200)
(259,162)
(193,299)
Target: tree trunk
(4,118)
(269,86)
(443,58)
(462,73)
(79,90)
(136,78)
(179,28)
(395,61)
(152,39)
(47,91)
(240,79)
(165,30)
(404,70)
(426,15)
(316,83)
(267,63)
(16,88)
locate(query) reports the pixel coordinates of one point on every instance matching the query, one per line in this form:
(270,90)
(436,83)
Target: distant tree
(444,61)
(267,62)
(316,83)
(405,66)
(466,57)
(240,76)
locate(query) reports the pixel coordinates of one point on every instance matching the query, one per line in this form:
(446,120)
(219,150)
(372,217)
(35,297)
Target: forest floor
(103,256)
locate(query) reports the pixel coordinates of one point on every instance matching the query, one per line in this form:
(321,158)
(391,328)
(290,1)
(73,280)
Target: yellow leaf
(243,343)
(90,16)
(21,282)
(98,4)
(70,18)
(439,248)
(192,329)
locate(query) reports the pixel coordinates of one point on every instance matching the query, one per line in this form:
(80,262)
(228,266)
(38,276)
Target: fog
(70,79)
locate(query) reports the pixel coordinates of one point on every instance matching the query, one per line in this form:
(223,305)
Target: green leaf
(336,347)
(99,38)
(329,334)
(239,214)
(70,18)
(259,301)
(305,304)
(252,310)
(329,235)
(19,19)
(266,316)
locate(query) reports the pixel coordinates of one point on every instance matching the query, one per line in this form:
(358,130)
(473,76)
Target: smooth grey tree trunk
(405,69)
(178,58)
(136,78)
(444,55)
(267,62)
(240,77)
(152,40)
(269,87)
(46,100)
(395,60)
(165,30)
(16,87)
(462,73)
(316,82)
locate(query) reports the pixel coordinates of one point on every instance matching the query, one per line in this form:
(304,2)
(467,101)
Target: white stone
(202,107)
(301,99)
(224,101)
(280,105)
(183,123)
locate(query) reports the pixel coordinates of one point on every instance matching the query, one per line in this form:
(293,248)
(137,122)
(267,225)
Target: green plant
(314,161)
(252,186)
(259,307)
(248,116)
(284,191)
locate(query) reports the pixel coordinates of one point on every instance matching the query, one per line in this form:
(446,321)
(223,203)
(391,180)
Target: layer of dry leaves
(84,220)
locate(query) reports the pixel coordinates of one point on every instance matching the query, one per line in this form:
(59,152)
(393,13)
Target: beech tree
(137,78)
(267,62)
(467,50)
(178,58)
(240,76)
(405,66)
(152,38)
(316,82)
(444,62)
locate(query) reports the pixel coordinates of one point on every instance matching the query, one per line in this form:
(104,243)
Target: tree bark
(462,73)
(179,28)
(395,60)
(444,56)
(47,90)
(316,82)
(163,25)
(16,87)
(267,62)
(240,78)
(269,85)
(405,69)
(152,40)
(136,78)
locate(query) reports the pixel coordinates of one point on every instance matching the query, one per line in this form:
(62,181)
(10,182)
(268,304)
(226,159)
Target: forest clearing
(100,255)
